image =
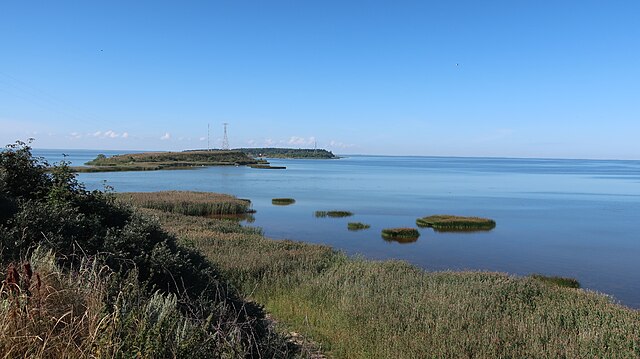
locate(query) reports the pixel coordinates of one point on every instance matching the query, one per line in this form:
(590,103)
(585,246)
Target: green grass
(356,226)
(189,203)
(283,201)
(357,308)
(557,281)
(445,222)
(333,214)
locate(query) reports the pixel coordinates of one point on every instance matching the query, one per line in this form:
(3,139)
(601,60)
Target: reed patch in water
(400,233)
(450,223)
(189,203)
(333,214)
(357,226)
(283,201)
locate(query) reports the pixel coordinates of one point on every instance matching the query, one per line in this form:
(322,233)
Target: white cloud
(251,142)
(166,136)
(295,140)
(125,135)
(202,138)
(110,134)
(75,135)
(97,134)
(269,142)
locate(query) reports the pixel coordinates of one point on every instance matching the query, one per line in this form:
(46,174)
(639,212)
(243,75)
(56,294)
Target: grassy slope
(361,309)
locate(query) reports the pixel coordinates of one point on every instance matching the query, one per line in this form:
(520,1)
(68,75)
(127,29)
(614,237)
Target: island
(270,152)
(150,161)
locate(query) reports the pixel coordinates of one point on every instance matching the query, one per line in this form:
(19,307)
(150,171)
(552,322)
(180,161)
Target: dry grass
(283,201)
(189,203)
(369,309)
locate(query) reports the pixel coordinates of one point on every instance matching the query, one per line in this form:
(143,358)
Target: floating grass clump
(356,226)
(445,222)
(333,214)
(283,201)
(565,282)
(189,203)
(400,233)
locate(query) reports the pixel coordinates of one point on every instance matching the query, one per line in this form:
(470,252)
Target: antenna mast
(208,145)
(225,139)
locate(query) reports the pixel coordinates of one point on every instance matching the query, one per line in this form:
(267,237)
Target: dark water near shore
(576,218)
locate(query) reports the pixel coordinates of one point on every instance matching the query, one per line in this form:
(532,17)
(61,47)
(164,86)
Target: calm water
(576,218)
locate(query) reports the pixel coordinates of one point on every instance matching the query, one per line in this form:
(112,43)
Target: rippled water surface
(576,218)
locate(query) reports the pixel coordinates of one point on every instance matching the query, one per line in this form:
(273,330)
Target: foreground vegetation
(445,222)
(355,308)
(89,277)
(150,161)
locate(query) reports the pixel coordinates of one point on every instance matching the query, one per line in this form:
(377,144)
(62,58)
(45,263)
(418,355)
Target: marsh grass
(283,201)
(189,203)
(333,214)
(410,234)
(356,308)
(356,226)
(557,281)
(449,223)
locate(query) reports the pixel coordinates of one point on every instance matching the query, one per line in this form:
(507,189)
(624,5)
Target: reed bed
(188,203)
(445,222)
(400,233)
(283,201)
(355,308)
(357,226)
(333,214)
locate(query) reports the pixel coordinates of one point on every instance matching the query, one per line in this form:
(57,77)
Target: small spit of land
(91,275)
(150,161)
(356,226)
(333,214)
(445,222)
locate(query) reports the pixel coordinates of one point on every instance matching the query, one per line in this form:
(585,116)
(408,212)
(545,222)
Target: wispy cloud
(341,145)
(295,140)
(125,135)
(166,136)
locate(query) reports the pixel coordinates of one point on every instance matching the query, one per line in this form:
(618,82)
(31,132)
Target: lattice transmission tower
(225,139)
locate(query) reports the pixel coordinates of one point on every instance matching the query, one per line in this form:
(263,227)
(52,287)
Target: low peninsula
(151,161)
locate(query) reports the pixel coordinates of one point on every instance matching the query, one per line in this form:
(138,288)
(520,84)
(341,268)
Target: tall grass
(445,222)
(400,233)
(357,226)
(189,203)
(356,308)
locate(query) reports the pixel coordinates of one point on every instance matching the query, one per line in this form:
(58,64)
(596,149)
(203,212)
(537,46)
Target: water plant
(565,282)
(400,233)
(445,222)
(356,226)
(333,214)
(283,201)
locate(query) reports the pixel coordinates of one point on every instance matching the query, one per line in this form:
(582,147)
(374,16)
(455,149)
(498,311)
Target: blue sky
(463,78)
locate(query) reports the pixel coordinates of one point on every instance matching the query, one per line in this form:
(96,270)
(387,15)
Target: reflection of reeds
(333,214)
(189,203)
(557,281)
(449,223)
(283,201)
(398,234)
(356,226)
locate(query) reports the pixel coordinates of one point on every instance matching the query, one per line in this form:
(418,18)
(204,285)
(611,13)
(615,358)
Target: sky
(546,79)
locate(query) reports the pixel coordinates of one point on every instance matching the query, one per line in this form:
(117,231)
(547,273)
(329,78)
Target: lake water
(576,218)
